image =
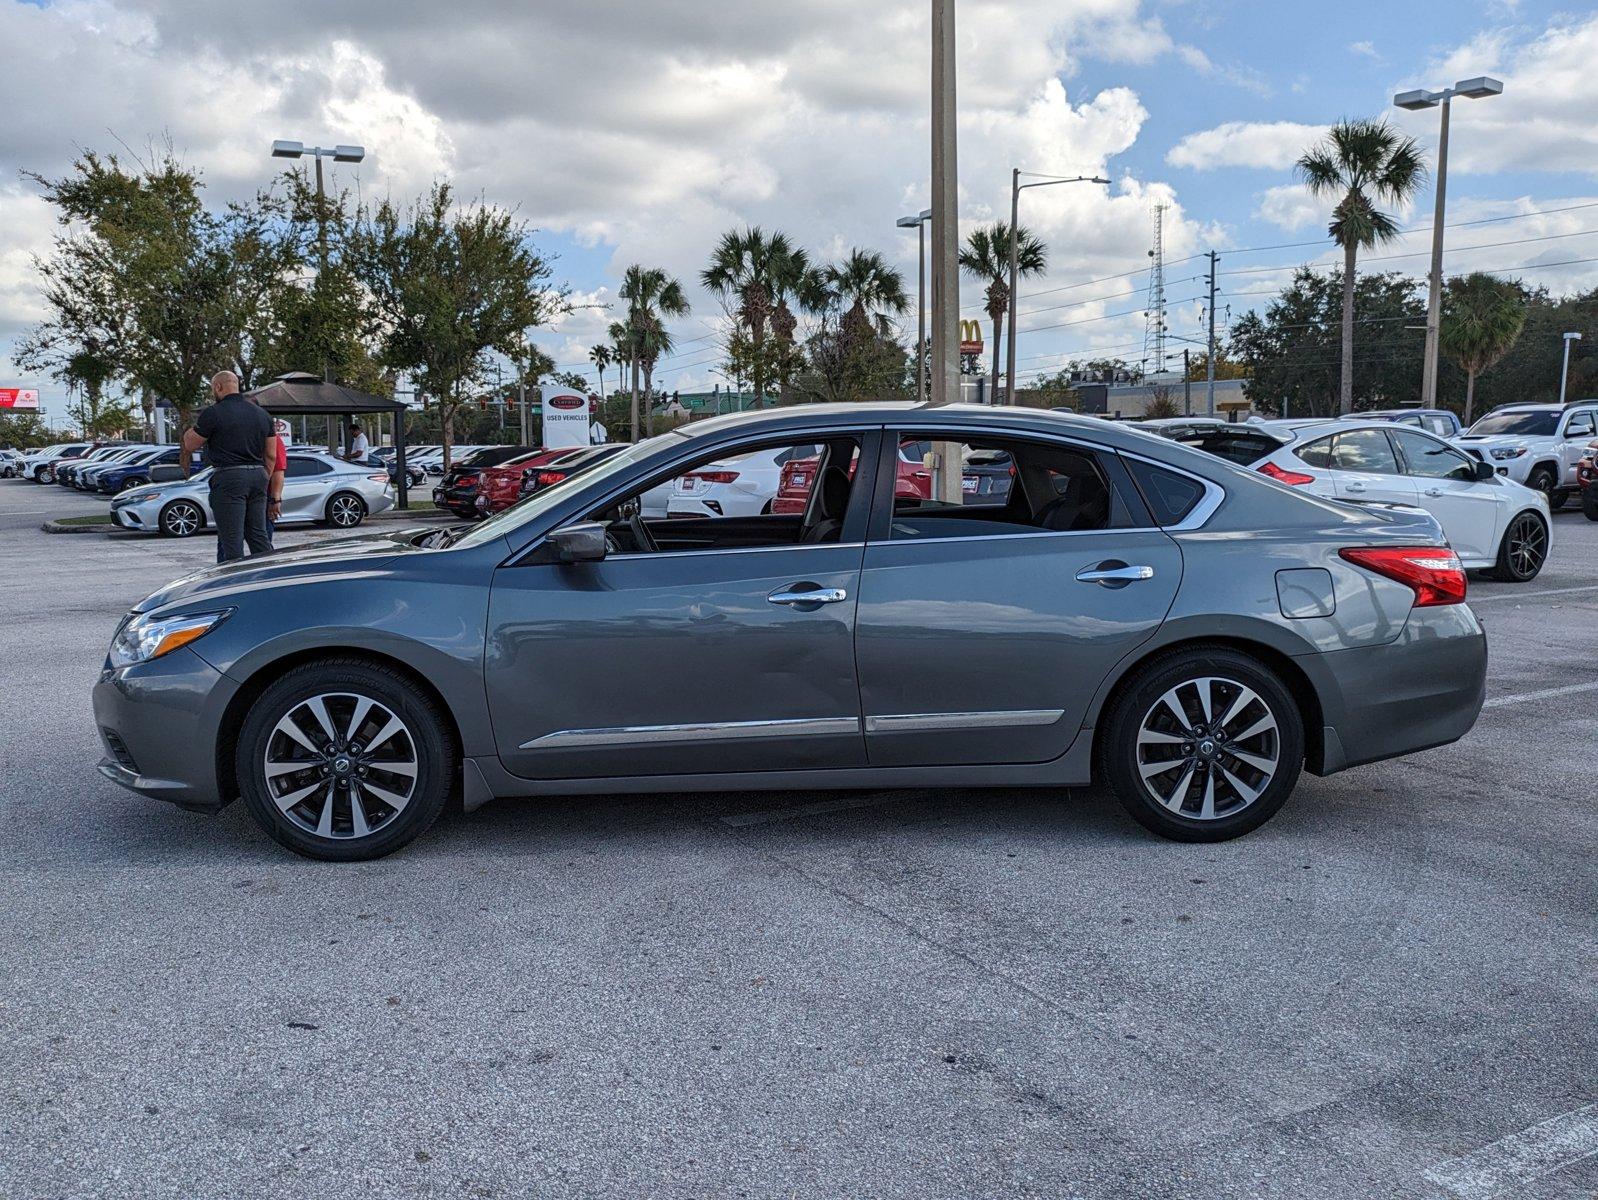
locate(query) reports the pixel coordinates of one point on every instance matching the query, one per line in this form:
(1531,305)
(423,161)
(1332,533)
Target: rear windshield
(1242,446)
(1526,424)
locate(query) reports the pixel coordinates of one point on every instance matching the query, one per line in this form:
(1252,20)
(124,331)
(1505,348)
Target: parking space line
(803,810)
(1570,689)
(1591,587)
(1521,1157)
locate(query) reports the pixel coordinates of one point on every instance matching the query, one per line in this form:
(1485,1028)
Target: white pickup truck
(1538,445)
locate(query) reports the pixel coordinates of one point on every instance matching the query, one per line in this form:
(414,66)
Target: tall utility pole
(1016,188)
(945,365)
(1414,101)
(346,154)
(1209,357)
(1187,385)
(1564,369)
(918,222)
(1154,308)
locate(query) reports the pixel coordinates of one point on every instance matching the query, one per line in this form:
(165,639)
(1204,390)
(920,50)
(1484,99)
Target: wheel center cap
(1206,748)
(341,765)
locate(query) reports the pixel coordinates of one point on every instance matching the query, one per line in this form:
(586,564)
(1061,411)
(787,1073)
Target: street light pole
(349,154)
(1564,370)
(919,223)
(1016,188)
(945,365)
(1415,101)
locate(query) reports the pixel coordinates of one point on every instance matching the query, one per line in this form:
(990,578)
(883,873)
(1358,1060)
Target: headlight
(142,639)
(1505,452)
(140,497)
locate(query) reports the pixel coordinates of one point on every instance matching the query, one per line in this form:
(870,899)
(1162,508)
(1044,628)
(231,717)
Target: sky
(640,130)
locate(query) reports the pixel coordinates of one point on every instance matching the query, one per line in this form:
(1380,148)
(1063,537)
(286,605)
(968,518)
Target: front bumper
(161,724)
(1421,690)
(129,516)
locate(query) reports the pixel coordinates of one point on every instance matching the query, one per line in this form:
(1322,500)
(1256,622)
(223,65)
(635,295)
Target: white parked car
(1492,522)
(40,465)
(737,487)
(10,464)
(1535,444)
(316,487)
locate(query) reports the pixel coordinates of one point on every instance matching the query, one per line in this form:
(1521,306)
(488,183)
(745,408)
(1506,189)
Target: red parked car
(799,476)
(500,487)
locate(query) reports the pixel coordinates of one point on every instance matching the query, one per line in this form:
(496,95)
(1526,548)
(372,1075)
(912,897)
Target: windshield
(1526,424)
(540,502)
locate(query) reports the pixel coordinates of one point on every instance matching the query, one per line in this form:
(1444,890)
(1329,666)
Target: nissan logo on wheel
(567,402)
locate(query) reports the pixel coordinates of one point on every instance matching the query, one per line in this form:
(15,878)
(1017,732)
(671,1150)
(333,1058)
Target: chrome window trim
(630,555)
(645,735)
(1214,493)
(1006,718)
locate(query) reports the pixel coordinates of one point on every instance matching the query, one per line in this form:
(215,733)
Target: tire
(1524,549)
(334,796)
(1557,499)
(1542,479)
(345,510)
(1589,503)
(181,519)
(44,475)
(1142,730)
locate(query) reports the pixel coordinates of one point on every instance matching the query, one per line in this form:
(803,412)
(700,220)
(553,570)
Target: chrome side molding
(909,722)
(643,735)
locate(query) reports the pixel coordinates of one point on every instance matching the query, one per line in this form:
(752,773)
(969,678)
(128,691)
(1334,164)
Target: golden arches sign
(970,337)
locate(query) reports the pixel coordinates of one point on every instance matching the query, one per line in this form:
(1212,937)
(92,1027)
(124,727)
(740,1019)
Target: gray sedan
(1191,632)
(316,487)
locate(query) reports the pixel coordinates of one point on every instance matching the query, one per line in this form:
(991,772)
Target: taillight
(713,476)
(383,478)
(1294,478)
(1432,572)
(545,478)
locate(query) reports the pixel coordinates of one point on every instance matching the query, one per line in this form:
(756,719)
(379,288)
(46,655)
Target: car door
(1365,466)
(1472,514)
(1578,431)
(983,631)
(306,486)
(694,660)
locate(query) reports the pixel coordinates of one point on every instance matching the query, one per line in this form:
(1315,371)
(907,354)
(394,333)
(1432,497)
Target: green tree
(986,255)
(448,285)
(1291,351)
(854,362)
(870,292)
(23,430)
(599,355)
(756,275)
(1482,319)
(651,295)
(1362,163)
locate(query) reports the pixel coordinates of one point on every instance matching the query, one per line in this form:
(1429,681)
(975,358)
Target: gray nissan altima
(1191,632)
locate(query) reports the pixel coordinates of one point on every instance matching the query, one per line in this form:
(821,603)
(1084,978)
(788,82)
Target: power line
(1551,237)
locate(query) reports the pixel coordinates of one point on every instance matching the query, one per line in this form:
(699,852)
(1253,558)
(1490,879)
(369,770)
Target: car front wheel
(1523,550)
(45,475)
(1203,745)
(182,518)
(344,760)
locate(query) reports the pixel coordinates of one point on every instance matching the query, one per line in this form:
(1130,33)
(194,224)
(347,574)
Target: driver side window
(1579,425)
(788,493)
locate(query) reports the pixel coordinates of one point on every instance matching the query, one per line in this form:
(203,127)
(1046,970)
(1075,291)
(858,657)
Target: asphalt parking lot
(1387,991)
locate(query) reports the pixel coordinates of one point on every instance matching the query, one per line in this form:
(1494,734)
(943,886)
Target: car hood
(348,557)
(1490,439)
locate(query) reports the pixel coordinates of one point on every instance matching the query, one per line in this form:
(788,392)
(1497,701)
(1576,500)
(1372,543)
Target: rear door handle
(1114,574)
(813,595)
(1356,487)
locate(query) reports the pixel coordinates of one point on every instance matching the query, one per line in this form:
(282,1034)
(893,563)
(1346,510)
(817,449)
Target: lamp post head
(1417,100)
(1482,85)
(1572,337)
(908,222)
(287,149)
(348,153)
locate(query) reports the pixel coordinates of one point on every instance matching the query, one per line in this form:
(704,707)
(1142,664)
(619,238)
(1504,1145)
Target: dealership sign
(19,398)
(565,418)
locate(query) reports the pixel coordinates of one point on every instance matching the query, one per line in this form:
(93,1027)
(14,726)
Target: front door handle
(1434,491)
(798,594)
(1356,487)
(1114,574)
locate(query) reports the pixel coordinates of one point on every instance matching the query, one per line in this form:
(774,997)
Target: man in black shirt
(241,450)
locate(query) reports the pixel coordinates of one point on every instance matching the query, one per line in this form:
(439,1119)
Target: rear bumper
(160,724)
(1423,689)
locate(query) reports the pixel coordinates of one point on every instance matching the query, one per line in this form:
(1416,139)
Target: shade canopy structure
(301,394)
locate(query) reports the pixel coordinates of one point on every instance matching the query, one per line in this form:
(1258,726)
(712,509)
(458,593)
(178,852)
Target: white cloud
(1367,49)
(1290,206)
(1271,144)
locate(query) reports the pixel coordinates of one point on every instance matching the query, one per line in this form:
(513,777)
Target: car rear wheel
(344,760)
(1524,549)
(182,518)
(345,510)
(45,475)
(1203,745)
(1589,503)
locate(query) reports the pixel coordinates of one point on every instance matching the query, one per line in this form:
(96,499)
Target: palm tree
(1482,320)
(620,354)
(986,255)
(654,341)
(758,274)
(599,355)
(873,291)
(651,295)
(1362,163)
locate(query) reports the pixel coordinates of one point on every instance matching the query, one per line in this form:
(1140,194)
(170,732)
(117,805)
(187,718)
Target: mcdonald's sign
(970,337)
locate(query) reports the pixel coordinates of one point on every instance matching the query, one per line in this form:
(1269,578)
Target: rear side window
(1317,453)
(299,468)
(1364,450)
(1170,496)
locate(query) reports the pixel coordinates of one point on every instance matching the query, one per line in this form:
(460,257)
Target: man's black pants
(238,504)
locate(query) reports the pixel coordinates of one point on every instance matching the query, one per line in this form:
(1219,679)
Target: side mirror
(166,473)
(1484,471)
(582,542)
